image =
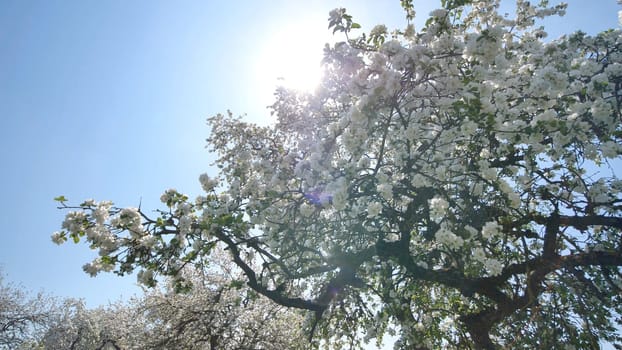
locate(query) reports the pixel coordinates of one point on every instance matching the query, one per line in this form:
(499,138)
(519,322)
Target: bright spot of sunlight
(292,57)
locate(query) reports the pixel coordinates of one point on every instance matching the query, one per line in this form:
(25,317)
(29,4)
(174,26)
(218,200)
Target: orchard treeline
(215,314)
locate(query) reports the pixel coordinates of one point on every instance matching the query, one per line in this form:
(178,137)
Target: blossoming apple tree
(23,317)
(74,326)
(453,185)
(215,314)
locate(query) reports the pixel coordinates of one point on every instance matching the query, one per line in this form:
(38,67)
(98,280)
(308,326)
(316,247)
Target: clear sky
(108,100)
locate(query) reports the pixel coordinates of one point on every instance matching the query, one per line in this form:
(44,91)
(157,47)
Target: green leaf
(108,260)
(237,284)
(355,26)
(60,199)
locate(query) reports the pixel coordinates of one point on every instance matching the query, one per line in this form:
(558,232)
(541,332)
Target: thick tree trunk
(480,334)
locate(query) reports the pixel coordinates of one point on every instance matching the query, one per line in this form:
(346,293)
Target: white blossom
(340,198)
(439,13)
(373,209)
(129,219)
(610,149)
(479,255)
(169,196)
(386,191)
(448,238)
(75,221)
(438,208)
(145,277)
(208,184)
(493,266)
(306,209)
(379,30)
(102,212)
(58,237)
(491,230)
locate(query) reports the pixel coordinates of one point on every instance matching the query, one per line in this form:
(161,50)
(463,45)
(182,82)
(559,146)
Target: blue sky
(108,100)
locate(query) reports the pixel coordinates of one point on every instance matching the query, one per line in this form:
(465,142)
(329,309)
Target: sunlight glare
(292,57)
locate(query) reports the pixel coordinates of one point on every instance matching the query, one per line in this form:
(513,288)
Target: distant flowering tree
(453,185)
(215,314)
(218,314)
(23,317)
(117,326)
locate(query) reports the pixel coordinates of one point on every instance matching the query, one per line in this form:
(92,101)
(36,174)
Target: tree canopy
(215,314)
(452,185)
(22,316)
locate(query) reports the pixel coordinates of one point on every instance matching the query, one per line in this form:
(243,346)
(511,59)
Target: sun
(292,57)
